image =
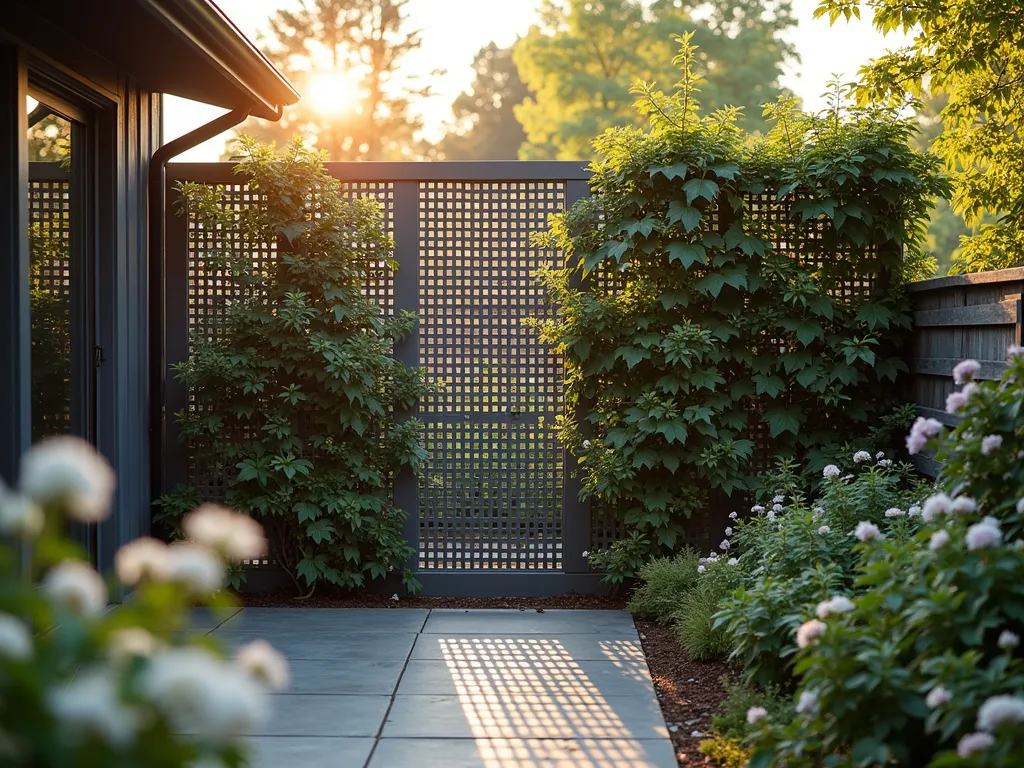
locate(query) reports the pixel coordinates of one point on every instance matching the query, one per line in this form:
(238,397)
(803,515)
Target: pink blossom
(939,539)
(808,703)
(983,535)
(809,631)
(756,714)
(990,444)
(938,696)
(998,710)
(973,743)
(1013,351)
(965,370)
(955,402)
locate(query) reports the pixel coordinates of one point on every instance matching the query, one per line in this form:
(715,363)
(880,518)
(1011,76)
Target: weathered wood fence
(963,316)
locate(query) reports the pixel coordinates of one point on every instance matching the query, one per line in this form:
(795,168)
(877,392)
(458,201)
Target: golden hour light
(331,92)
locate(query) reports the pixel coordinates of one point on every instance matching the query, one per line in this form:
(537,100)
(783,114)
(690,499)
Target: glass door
(61,279)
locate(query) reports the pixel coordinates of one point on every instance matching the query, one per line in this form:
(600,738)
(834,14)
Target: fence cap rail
(421,171)
(975,278)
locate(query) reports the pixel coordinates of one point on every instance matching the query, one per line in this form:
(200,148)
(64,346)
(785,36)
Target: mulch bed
(689,691)
(326,599)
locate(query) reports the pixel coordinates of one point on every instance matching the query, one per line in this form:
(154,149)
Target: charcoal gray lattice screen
(496,509)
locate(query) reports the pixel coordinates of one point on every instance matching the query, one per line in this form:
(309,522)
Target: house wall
(127,132)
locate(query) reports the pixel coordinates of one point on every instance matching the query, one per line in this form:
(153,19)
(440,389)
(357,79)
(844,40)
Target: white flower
(261,662)
(809,631)
(130,642)
(936,505)
(831,471)
(914,511)
(141,559)
(973,743)
(728,531)
(724,545)
(586,444)
(586,553)
(91,703)
(778,499)
(15,639)
(998,710)
(808,703)
(990,444)
(733,515)
(939,539)
(965,370)
(701,569)
(818,512)
(1014,350)
(1020,506)
(963,505)
(756,714)
(202,695)
(956,401)
(885,462)
(771,516)
(983,535)
(733,561)
(76,586)
(860,456)
(67,470)
(838,604)
(866,531)
(824,530)
(880,455)
(394,597)
(894,512)
(938,696)
(196,567)
(223,530)
(777,507)
(19,515)
(1008,640)
(757,509)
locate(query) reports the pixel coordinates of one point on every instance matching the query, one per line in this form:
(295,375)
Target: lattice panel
(50,297)
(210,292)
(491,495)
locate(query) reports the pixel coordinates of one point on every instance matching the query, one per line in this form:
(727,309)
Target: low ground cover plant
(84,685)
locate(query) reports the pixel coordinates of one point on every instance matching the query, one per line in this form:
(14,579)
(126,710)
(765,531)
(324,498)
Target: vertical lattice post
(577,513)
(406,233)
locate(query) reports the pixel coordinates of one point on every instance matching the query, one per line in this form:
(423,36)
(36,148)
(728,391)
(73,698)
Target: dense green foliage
(901,678)
(296,391)
(972,52)
(662,582)
(704,310)
(581,60)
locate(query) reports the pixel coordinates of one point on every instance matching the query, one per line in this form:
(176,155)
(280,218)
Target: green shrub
(927,664)
(675,342)
(663,582)
(85,686)
(724,752)
(296,391)
(730,721)
(699,637)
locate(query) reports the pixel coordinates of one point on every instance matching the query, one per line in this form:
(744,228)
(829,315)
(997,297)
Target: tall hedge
(729,296)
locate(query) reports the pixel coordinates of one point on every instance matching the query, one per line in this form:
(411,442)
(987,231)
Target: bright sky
(454,30)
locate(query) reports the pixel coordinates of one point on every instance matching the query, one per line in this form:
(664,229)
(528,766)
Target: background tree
(486,127)
(972,52)
(583,56)
(343,56)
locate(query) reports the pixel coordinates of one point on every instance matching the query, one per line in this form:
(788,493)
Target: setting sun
(331,92)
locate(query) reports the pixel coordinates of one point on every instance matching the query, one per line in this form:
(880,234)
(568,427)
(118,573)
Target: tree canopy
(354,47)
(583,57)
(971,52)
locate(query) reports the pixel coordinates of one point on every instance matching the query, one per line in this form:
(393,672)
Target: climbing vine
(727,297)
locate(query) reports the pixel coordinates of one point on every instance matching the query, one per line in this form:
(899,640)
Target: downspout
(157,261)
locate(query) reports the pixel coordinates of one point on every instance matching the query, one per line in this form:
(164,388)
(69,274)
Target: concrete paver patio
(380,688)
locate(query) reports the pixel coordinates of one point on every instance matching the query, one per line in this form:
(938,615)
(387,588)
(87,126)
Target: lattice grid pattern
(50,252)
(491,494)
(210,292)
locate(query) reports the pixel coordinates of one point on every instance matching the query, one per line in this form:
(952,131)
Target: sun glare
(331,92)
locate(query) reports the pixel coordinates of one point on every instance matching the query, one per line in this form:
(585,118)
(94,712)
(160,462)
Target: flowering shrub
(296,392)
(82,684)
(800,553)
(672,343)
(925,669)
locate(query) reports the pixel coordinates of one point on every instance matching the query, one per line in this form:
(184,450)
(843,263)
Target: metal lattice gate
(496,509)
